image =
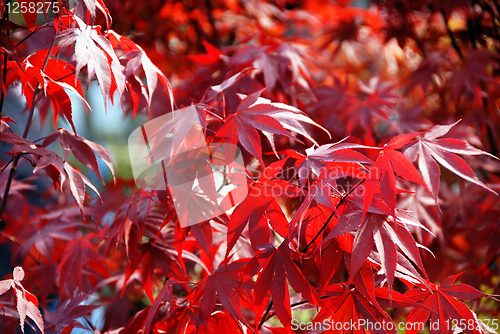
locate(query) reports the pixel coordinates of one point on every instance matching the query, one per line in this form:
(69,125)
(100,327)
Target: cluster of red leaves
(352,228)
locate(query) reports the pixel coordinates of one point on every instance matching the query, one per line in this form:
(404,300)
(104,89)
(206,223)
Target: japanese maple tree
(370,141)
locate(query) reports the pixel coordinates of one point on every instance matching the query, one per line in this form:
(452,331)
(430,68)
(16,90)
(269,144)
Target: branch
(331,216)
(25,134)
(89,323)
(303,302)
(266,315)
(14,241)
(415,38)
(25,38)
(43,25)
(4,76)
(452,36)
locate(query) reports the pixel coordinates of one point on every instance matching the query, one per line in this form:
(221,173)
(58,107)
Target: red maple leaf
(444,308)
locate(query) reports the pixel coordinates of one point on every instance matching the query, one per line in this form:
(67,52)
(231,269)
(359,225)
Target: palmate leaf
(383,232)
(83,149)
(382,175)
(61,103)
(376,100)
(296,63)
(431,150)
(62,170)
(325,193)
(58,78)
(268,65)
(68,311)
(43,239)
(317,158)
(255,112)
(96,52)
(70,275)
(429,67)
(27,304)
(215,91)
(444,308)
(129,222)
(136,58)
(278,267)
(222,285)
(57,168)
(151,259)
(260,208)
(346,306)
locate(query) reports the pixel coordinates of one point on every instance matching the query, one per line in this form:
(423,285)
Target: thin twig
(89,323)
(14,241)
(493,260)
(25,38)
(303,302)
(452,36)
(215,115)
(331,216)
(264,317)
(10,161)
(2,97)
(65,76)
(41,26)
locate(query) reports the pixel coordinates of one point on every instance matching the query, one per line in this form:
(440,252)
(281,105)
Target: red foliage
(349,120)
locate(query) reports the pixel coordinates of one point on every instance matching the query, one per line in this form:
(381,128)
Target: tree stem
(25,134)
(4,76)
(264,317)
(331,216)
(452,36)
